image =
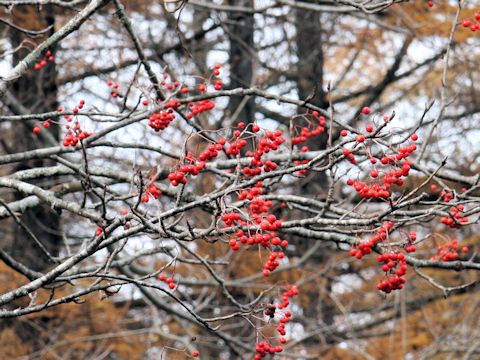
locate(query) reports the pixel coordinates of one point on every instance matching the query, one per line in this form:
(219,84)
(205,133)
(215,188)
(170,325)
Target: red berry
(37,130)
(344,132)
(360,138)
(366,110)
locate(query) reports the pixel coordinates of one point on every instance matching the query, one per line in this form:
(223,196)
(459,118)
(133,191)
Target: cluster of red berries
(235,146)
(212,151)
(152,191)
(272,263)
(114,85)
(72,138)
(169,85)
(230,218)
(192,168)
(252,193)
(395,267)
(80,106)
(365,248)
(48,57)
(447,196)
(218,84)
(306,133)
(473,24)
(262,239)
(160,120)
(291,291)
(411,239)
(258,206)
(349,156)
(75,134)
(199,107)
(258,211)
(373,191)
(264,348)
(167,280)
(269,222)
(46,124)
(449,251)
(270,142)
(456,217)
(381,189)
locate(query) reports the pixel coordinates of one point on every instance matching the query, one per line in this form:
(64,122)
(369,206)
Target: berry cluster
(373,191)
(196,108)
(272,262)
(193,168)
(472,24)
(286,295)
(251,194)
(235,146)
(161,120)
(72,138)
(381,188)
(114,85)
(395,267)
(48,57)
(167,280)
(46,124)
(264,347)
(306,133)
(258,212)
(449,251)
(230,218)
(270,142)
(212,151)
(152,191)
(411,239)
(169,85)
(365,248)
(74,132)
(349,156)
(456,216)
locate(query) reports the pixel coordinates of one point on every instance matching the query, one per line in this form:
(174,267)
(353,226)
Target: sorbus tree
(284,179)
